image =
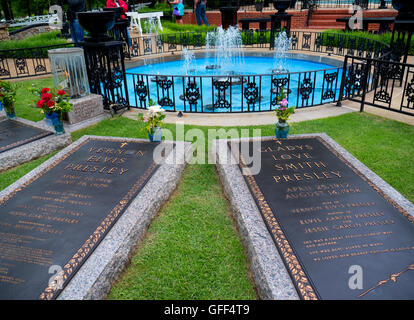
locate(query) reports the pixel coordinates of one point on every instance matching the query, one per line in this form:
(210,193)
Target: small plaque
(339,236)
(50,225)
(14,134)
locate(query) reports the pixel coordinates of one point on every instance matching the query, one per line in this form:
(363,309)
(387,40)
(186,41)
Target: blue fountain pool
(253,85)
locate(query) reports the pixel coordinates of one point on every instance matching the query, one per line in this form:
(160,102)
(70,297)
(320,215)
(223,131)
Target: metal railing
(230,93)
(244,93)
(379,83)
(234,93)
(330,43)
(26,62)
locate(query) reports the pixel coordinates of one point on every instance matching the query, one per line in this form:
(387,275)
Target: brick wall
(214,17)
(298,19)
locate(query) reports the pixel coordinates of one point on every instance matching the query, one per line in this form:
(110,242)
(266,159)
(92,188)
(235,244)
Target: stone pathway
(247,119)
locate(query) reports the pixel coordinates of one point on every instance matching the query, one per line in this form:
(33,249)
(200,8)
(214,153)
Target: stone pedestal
(84,108)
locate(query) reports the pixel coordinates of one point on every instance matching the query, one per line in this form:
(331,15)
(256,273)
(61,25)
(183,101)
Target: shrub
(384,37)
(44,39)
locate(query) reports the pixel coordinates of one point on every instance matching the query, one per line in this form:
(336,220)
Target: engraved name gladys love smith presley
(301,158)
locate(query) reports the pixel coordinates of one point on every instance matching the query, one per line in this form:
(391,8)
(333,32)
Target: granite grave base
(304,247)
(42,141)
(83,210)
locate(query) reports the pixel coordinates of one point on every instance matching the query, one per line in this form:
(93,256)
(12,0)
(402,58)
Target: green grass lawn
(25,100)
(192,250)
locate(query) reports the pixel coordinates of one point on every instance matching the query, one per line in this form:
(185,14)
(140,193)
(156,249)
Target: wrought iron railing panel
(27,62)
(379,83)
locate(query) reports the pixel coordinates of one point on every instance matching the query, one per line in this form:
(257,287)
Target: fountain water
(228,48)
(151,26)
(188,56)
(281,45)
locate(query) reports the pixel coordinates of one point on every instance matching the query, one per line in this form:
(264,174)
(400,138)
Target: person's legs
(179,19)
(76,32)
(198,15)
(73,33)
(203,14)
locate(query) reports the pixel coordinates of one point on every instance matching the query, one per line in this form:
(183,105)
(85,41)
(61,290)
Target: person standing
(124,6)
(178,10)
(76,31)
(200,10)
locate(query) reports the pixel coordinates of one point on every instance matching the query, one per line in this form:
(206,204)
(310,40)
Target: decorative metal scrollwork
(116,78)
(192,93)
(164,85)
(276,87)
(221,85)
(306,88)
(40,68)
(306,41)
(382,96)
(141,90)
(251,93)
(160,44)
(329,79)
(4,72)
(353,79)
(147,45)
(20,64)
(294,41)
(171,42)
(409,91)
(318,42)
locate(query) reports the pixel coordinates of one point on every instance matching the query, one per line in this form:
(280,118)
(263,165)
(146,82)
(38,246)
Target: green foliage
(164,7)
(384,37)
(25,102)
(282,111)
(7,95)
(44,39)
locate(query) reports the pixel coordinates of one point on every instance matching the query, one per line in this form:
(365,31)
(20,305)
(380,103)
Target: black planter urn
(97,24)
(282,5)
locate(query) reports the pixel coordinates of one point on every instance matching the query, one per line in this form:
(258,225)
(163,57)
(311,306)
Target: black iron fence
(379,83)
(245,93)
(366,72)
(234,93)
(330,43)
(27,62)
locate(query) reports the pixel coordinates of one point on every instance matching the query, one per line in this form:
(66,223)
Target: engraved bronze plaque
(51,224)
(330,224)
(14,134)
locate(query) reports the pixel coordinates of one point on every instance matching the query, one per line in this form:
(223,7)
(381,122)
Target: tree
(7,9)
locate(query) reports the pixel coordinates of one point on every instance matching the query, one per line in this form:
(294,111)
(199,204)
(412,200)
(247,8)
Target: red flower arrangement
(53,100)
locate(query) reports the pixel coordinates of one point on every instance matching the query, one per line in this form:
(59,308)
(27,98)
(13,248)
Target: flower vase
(10,112)
(155,135)
(49,119)
(282,129)
(58,123)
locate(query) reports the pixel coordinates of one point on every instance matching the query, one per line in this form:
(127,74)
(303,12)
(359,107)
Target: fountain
(228,48)
(282,45)
(188,56)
